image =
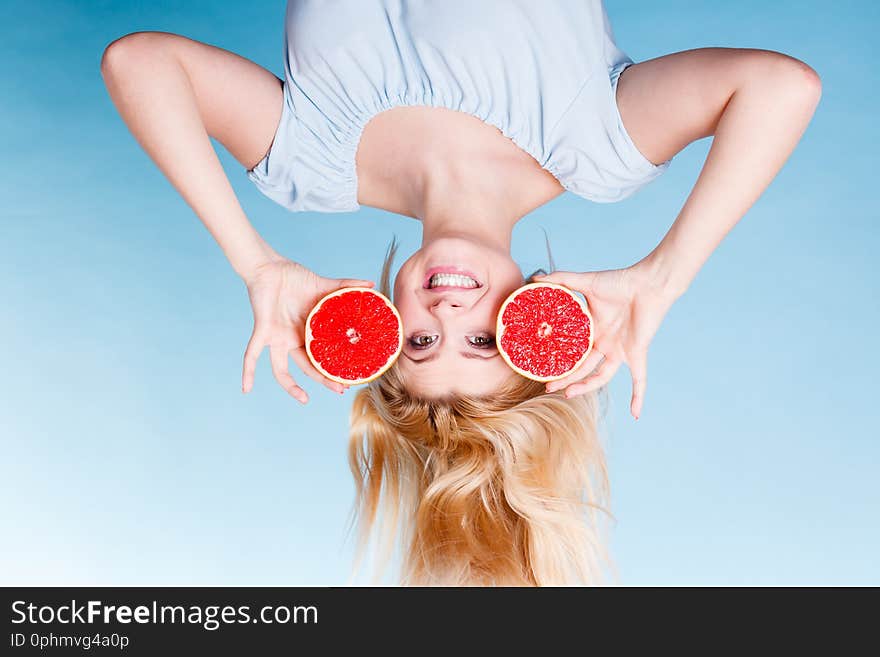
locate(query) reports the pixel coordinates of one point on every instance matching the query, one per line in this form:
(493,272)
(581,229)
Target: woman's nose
(444,304)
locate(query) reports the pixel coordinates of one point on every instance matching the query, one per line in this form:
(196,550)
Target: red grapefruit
(544,331)
(353,335)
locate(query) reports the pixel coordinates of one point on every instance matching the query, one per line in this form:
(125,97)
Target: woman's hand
(627,306)
(282,294)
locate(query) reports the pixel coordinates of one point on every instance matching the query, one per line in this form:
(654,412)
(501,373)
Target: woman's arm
(757,105)
(174,93)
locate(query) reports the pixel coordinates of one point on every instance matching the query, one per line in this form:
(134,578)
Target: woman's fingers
(638,368)
(353,282)
(602,376)
(278,356)
(251,356)
(302,360)
(280,369)
(570,279)
(592,361)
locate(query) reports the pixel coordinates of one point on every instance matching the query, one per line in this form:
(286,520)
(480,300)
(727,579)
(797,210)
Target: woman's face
(448,295)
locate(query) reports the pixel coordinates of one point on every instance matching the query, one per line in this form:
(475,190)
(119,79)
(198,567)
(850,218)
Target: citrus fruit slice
(353,335)
(544,331)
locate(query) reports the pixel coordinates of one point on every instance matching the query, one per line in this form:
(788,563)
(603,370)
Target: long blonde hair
(508,489)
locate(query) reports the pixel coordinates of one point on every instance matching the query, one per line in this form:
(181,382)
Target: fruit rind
(500,327)
(309,336)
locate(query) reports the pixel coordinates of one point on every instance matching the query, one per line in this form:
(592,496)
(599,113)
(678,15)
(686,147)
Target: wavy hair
(508,489)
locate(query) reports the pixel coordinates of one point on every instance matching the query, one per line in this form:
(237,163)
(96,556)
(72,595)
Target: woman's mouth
(449,277)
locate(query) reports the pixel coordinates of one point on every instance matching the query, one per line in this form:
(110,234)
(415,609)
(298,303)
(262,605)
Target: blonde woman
(465,116)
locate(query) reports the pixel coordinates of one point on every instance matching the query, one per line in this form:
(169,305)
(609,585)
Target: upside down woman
(466,116)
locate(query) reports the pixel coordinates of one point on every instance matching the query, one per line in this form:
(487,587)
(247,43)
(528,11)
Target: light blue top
(544,73)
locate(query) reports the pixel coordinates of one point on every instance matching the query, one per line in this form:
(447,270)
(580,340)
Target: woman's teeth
(452,280)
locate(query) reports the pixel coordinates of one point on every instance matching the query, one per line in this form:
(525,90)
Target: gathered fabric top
(544,73)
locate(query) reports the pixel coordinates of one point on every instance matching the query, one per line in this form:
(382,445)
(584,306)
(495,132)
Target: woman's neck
(449,169)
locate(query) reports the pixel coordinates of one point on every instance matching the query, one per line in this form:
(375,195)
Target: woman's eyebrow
(420,360)
(466,354)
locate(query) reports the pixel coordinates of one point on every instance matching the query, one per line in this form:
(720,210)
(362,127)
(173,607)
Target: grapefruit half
(353,335)
(544,331)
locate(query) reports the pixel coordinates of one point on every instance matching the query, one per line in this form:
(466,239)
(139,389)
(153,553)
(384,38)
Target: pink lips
(449,270)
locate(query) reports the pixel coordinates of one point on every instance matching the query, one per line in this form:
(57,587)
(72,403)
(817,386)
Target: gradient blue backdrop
(130,456)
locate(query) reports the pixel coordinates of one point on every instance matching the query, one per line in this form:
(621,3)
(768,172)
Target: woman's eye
(481,341)
(422,341)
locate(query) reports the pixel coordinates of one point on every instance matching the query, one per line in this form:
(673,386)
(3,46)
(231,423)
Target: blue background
(130,456)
